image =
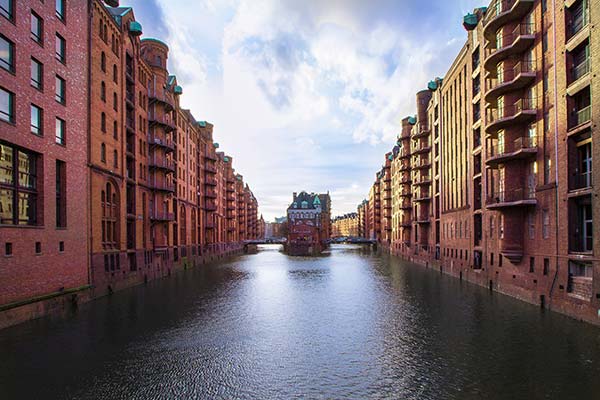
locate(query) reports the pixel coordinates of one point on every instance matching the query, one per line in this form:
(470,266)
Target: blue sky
(305,94)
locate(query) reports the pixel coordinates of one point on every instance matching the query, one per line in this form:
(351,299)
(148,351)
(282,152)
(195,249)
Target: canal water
(348,325)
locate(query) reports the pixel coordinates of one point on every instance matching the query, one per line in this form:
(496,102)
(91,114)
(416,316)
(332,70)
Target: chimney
(295,195)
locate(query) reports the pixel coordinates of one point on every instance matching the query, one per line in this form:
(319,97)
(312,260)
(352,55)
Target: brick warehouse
(492,179)
(144,193)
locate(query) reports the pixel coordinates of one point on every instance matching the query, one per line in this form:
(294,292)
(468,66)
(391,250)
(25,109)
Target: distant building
(309,227)
(345,226)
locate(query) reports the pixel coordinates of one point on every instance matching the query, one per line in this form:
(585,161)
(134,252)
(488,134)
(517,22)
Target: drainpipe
(556,196)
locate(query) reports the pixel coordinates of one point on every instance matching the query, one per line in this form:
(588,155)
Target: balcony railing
(163,163)
(167,123)
(511,197)
(579,117)
(156,215)
(520,144)
(210,181)
(163,186)
(580,70)
(510,111)
(580,181)
(517,41)
(161,96)
(578,24)
(500,12)
(167,143)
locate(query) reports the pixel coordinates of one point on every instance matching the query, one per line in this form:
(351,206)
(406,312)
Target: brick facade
(492,178)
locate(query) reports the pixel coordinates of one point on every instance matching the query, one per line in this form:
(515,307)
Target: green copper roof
(317,200)
(135,28)
(412,120)
(390,157)
(432,85)
(470,21)
(226,159)
(177,89)
(202,124)
(154,41)
(216,145)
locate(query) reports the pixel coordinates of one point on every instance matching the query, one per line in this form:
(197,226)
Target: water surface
(348,325)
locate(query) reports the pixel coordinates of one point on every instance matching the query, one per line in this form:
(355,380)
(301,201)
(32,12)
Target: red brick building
(309,223)
(499,187)
(44,219)
(144,193)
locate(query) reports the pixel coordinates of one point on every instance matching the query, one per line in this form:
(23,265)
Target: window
(8,249)
(115,159)
(36,120)
(115,130)
(110,216)
(38,247)
(36,74)
(61,246)
(531,225)
(61,49)
(61,198)
(531,264)
(18,186)
(60,90)
(103,91)
(6,9)
(7,54)
(103,122)
(37,28)
(60,9)
(103,61)
(546,266)
(103,152)
(545,224)
(60,131)
(585,213)
(7,101)
(115,74)
(115,102)
(545,42)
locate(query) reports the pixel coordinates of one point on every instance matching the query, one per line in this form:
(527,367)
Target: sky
(305,94)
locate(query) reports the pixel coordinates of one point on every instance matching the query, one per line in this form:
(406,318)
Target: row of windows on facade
(19,189)
(9,248)
(7,62)
(7,9)
(7,114)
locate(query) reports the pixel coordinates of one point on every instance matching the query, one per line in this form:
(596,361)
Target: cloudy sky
(305,94)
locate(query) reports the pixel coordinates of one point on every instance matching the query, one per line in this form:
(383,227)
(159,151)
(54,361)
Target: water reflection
(349,325)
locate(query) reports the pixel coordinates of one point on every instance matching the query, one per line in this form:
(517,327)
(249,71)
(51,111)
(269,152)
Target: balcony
(168,144)
(421,196)
(161,120)
(210,168)
(422,132)
(210,181)
(406,205)
(210,156)
(501,12)
(516,42)
(403,153)
(162,186)
(580,182)
(512,79)
(406,224)
(405,167)
(161,216)
(511,198)
(423,180)
(522,148)
(162,163)
(210,207)
(422,149)
(521,112)
(423,219)
(406,179)
(210,193)
(423,164)
(580,117)
(157,96)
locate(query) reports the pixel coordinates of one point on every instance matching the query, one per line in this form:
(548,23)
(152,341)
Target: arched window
(194,240)
(115,74)
(105,38)
(115,102)
(103,152)
(112,43)
(101,31)
(103,122)
(103,206)
(103,61)
(103,91)
(115,130)
(115,159)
